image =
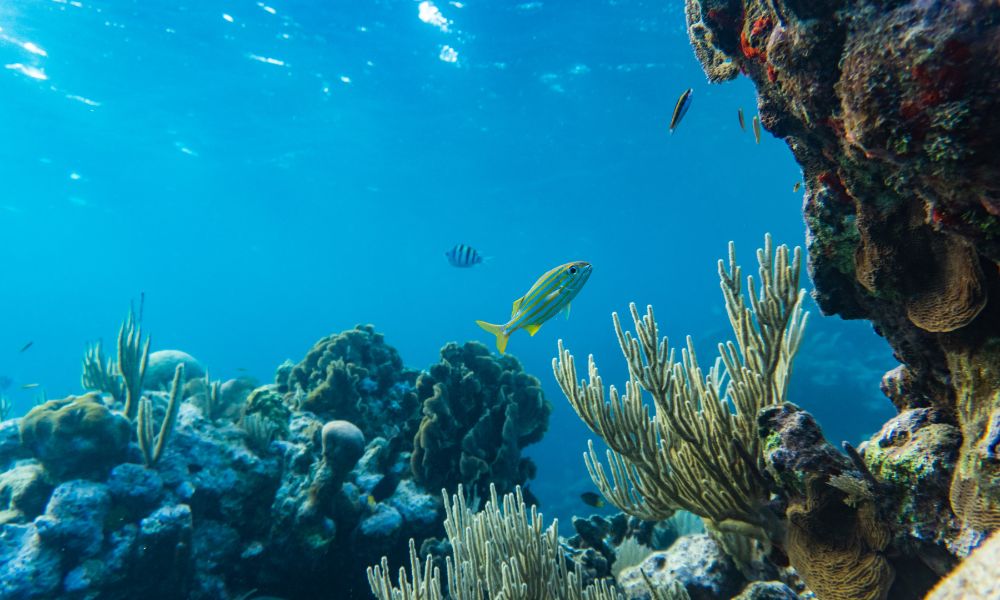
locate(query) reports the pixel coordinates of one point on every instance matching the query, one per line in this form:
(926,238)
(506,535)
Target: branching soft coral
(700,451)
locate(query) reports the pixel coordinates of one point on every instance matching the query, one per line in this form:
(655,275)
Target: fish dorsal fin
(517,305)
(532,329)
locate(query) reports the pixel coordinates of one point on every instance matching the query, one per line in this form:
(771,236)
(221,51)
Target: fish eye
(572,270)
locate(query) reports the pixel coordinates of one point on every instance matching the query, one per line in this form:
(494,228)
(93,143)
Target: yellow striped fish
(551,294)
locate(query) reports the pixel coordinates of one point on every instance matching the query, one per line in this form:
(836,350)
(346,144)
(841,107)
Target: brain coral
(76,436)
(354,376)
(479,411)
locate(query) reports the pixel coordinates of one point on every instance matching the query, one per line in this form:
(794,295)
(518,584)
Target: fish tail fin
(496,330)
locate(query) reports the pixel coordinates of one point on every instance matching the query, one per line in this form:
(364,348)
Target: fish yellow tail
(496,330)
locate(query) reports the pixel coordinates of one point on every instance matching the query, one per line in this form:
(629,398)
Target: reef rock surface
(891,110)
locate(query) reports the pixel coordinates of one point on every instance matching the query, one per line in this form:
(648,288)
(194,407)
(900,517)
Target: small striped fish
(680,109)
(551,294)
(463,256)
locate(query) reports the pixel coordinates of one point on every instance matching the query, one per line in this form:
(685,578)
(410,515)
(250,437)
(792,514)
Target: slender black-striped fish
(756,129)
(463,256)
(743,124)
(797,186)
(680,109)
(26,346)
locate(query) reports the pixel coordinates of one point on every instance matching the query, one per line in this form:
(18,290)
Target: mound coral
(355,376)
(75,437)
(479,411)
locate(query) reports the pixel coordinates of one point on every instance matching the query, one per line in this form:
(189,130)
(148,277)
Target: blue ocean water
(266,173)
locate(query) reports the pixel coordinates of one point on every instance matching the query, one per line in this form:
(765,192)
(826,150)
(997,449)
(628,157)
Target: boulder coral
(354,375)
(75,437)
(479,411)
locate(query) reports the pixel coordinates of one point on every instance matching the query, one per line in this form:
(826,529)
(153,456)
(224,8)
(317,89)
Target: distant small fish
(30,386)
(592,499)
(241,369)
(756,129)
(797,186)
(743,124)
(463,256)
(550,295)
(680,109)
(26,346)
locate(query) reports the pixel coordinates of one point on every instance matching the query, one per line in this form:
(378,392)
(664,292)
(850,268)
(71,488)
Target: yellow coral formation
(953,294)
(975,486)
(846,564)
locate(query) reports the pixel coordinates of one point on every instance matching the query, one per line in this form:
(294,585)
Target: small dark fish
(241,369)
(680,109)
(797,186)
(743,124)
(592,499)
(464,256)
(756,129)
(28,345)
(385,487)
(30,386)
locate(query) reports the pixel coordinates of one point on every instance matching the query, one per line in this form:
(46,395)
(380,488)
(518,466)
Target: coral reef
(356,376)
(503,551)
(847,523)
(696,562)
(700,451)
(75,437)
(163,364)
(479,410)
(891,108)
(213,490)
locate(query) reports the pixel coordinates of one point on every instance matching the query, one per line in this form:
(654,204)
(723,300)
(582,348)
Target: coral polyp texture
(891,110)
(479,410)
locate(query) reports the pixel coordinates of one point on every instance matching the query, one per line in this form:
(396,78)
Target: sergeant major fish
(551,294)
(464,256)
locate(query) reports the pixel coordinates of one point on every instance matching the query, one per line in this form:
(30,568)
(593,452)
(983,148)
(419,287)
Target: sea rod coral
(503,551)
(700,451)
(729,447)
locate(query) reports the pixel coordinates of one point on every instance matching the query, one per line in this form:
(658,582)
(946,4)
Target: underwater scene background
(298,168)
(263,174)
